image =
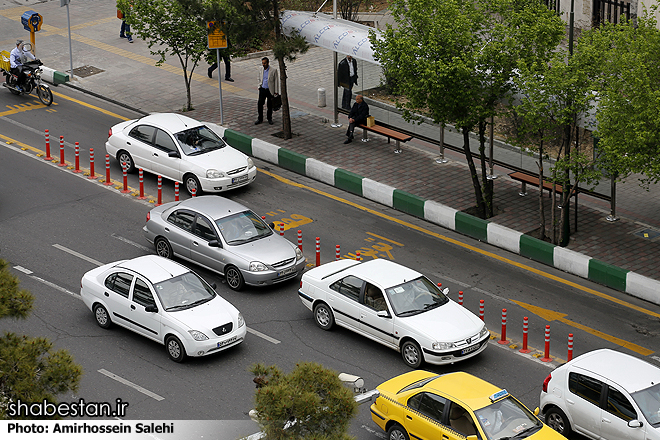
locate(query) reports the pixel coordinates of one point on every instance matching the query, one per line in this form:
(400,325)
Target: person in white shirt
(17,57)
(269,86)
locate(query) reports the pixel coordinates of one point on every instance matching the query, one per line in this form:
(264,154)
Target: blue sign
(31,21)
(499,395)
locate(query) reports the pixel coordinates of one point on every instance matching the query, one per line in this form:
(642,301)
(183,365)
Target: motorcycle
(32,82)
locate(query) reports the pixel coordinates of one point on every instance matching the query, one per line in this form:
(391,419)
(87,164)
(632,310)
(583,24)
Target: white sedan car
(181,149)
(395,306)
(164,301)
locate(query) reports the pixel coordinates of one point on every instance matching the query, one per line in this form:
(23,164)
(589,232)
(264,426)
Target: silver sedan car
(226,237)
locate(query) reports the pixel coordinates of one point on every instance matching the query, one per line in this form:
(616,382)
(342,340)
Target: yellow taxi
(421,405)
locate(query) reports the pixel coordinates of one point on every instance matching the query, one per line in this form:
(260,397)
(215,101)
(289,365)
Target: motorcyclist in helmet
(17,57)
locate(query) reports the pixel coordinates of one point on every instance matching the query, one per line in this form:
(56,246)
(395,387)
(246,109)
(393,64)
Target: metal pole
(442,159)
(612,217)
(217,60)
(68,22)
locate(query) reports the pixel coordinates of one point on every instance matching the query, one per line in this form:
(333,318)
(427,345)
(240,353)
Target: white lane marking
(132,243)
(373,431)
(22,269)
(131,384)
(55,286)
(451,280)
(77,254)
(261,335)
(492,295)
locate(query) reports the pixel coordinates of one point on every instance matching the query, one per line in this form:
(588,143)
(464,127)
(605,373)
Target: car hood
(223,159)
(447,323)
(206,316)
(268,250)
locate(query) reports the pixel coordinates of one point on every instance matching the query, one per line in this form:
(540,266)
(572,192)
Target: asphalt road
(55,225)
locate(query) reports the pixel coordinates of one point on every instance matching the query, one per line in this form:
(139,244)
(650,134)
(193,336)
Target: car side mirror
(446,291)
(272,225)
(635,423)
(384,314)
(174,154)
(537,411)
(215,243)
(151,309)
(214,286)
(224,138)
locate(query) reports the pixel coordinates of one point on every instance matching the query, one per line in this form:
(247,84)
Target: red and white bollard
(460,297)
(546,357)
(48,147)
(481,309)
(141,174)
(194,192)
(76,168)
(300,240)
(62,163)
(524,348)
(503,337)
(108,182)
(570,347)
(357,256)
(337,253)
(91,164)
(176,191)
(281,229)
(318,251)
(160,190)
(124,169)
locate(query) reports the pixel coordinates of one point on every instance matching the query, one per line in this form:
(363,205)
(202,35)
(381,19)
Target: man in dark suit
(347,77)
(357,116)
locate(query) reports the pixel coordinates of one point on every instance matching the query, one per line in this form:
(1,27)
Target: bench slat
(534,180)
(387,132)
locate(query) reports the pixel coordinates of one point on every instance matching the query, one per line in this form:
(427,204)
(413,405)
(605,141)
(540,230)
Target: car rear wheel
(191,182)
(396,432)
(557,420)
(102,316)
(124,157)
(412,354)
(163,248)
(234,278)
(323,316)
(175,349)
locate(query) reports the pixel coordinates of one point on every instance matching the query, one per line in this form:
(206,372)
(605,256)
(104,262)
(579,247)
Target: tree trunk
(286,114)
(481,207)
(488,184)
(541,205)
(565,200)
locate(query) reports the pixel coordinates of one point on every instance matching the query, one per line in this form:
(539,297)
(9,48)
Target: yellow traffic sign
(217,38)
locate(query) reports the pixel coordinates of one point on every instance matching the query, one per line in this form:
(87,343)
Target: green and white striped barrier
(53,76)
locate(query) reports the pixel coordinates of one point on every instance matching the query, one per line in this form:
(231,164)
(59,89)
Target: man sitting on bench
(357,116)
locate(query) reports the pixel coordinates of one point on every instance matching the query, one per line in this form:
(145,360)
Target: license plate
(286,271)
(470,349)
(226,341)
(239,179)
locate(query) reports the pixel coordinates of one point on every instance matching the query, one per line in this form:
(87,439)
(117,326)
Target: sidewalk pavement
(624,254)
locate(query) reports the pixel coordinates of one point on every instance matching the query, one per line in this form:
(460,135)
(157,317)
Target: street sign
(31,21)
(217,38)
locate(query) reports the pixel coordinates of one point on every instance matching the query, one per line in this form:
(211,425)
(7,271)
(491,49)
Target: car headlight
(443,345)
(250,163)
(241,321)
(257,266)
(299,254)
(484,331)
(197,335)
(214,174)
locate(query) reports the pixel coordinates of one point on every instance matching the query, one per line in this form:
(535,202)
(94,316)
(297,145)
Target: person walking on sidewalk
(125,30)
(357,116)
(347,77)
(269,86)
(211,58)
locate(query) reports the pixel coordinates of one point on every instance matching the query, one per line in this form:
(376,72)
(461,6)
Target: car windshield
(648,401)
(199,140)
(243,227)
(507,419)
(415,297)
(183,292)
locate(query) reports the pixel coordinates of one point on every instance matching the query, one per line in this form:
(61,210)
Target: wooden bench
(391,134)
(533,180)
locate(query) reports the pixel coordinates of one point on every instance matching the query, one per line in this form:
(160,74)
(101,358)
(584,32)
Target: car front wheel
(396,432)
(323,316)
(191,182)
(234,278)
(175,349)
(412,354)
(557,420)
(102,316)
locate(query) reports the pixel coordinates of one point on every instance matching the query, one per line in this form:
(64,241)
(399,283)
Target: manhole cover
(648,234)
(86,71)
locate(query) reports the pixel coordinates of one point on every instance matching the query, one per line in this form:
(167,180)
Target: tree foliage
(30,370)
(310,401)
(169,30)
(454,60)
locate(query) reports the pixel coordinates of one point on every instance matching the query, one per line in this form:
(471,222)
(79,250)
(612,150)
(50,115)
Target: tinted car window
(619,405)
(428,404)
(142,295)
(144,133)
(120,283)
(349,287)
(204,229)
(164,141)
(586,387)
(182,219)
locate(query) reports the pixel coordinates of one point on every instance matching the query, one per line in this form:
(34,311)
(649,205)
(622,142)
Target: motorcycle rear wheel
(45,95)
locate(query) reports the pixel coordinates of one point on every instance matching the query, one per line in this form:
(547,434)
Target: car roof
(213,206)
(629,372)
(172,122)
(384,272)
(469,389)
(154,268)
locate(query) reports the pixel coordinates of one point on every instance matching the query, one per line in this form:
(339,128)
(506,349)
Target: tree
(454,60)
(30,370)
(172,30)
(311,401)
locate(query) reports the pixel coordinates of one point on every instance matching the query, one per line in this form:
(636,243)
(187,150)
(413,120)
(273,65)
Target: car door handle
(106,294)
(408,417)
(194,243)
(128,143)
(570,401)
(444,437)
(604,420)
(167,229)
(132,307)
(156,154)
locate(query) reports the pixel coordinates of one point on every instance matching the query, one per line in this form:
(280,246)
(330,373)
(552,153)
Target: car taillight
(546,382)
(301,284)
(109,133)
(148,216)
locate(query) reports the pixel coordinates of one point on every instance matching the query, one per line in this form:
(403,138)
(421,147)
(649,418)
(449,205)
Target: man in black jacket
(357,116)
(347,77)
